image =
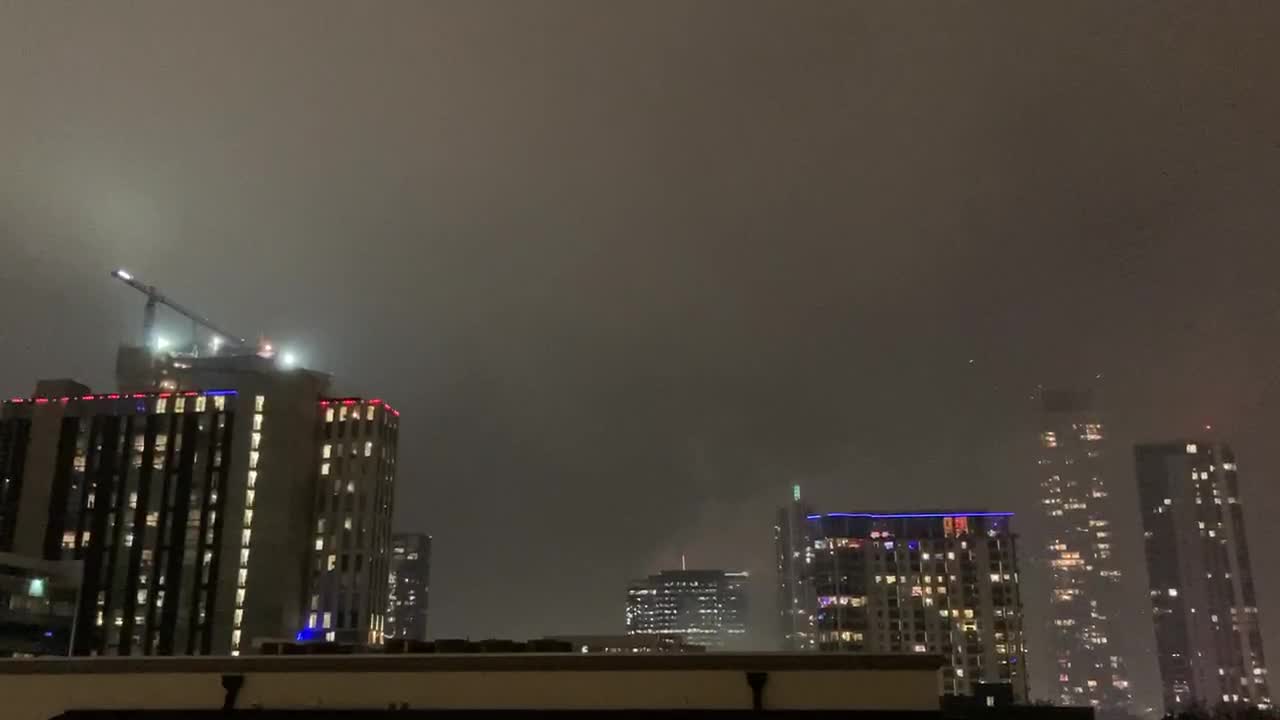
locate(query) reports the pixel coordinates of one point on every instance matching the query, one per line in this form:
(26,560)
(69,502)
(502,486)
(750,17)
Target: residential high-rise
(343,459)
(943,583)
(1085,578)
(155,494)
(353,503)
(408,586)
(705,607)
(155,489)
(795,593)
(1201,580)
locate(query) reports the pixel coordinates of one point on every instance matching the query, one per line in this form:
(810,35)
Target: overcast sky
(631,269)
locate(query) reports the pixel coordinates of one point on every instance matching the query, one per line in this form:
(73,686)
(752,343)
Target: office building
(1085,577)
(795,593)
(408,586)
(1208,641)
(940,583)
(705,607)
(37,605)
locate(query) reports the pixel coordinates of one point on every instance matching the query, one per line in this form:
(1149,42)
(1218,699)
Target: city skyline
(632,274)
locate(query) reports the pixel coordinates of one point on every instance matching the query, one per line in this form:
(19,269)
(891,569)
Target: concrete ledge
(478,662)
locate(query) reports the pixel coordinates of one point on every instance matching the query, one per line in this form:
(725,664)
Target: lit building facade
(1201,580)
(408,586)
(154,494)
(795,592)
(705,607)
(352,531)
(1085,577)
(941,583)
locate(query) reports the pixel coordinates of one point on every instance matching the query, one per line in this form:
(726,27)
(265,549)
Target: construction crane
(156,298)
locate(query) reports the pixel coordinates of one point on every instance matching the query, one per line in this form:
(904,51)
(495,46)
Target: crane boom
(155,297)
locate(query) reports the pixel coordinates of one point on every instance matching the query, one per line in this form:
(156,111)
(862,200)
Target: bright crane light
(162,343)
(216,342)
(123,274)
(288,359)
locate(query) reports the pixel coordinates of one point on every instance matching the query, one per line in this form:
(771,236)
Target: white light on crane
(123,274)
(288,359)
(215,342)
(162,343)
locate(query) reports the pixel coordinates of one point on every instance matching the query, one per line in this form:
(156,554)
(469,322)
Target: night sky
(631,269)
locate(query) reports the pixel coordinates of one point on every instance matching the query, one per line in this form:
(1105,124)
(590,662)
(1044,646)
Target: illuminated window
(253,459)
(342,413)
(351,486)
(242,577)
(220,402)
(257,422)
(368,448)
(328,450)
(368,413)
(324,468)
(179,404)
(162,405)
(319,543)
(248,517)
(253,478)
(346,524)
(259,402)
(332,562)
(1192,449)
(328,415)
(244,536)
(200,404)
(255,440)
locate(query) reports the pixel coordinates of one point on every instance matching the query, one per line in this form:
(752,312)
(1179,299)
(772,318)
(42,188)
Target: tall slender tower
(795,592)
(1201,580)
(1085,580)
